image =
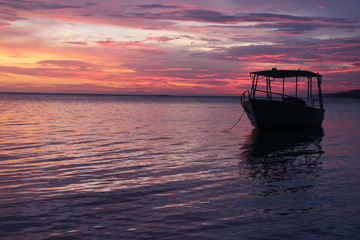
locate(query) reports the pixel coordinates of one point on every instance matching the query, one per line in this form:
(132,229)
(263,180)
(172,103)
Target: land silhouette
(345,94)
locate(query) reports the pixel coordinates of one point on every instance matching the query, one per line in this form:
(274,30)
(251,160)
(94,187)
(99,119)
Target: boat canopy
(274,73)
(266,90)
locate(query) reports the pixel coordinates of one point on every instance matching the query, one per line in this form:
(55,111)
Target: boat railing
(277,97)
(282,96)
(316,103)
(245,95)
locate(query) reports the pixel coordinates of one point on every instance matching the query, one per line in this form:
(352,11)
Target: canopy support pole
(255,85)
(283,88)
(311,96)
(319,80)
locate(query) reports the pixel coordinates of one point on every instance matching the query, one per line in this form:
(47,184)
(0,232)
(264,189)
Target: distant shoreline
(345,94)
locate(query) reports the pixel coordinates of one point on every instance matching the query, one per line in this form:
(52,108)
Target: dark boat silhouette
(268,109)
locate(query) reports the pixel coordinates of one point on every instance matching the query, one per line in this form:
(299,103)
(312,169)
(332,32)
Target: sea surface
(162,167)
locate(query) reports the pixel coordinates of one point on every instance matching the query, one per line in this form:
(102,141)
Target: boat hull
(265,114)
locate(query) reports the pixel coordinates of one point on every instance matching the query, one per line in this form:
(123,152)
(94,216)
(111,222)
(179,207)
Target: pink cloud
(176,69)
(207,75)
(138,45)
(77,43)
(158,39)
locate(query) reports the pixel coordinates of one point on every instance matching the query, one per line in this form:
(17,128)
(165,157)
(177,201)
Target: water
(132,167)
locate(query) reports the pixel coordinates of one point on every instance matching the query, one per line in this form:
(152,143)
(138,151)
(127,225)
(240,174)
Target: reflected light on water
(62,145)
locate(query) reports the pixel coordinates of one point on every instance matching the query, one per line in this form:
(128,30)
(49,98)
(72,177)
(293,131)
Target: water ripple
(87,167)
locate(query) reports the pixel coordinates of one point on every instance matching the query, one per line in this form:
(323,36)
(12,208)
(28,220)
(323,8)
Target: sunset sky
(182,47)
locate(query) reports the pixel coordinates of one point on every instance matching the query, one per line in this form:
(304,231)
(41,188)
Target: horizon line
(159,95)
(120,94)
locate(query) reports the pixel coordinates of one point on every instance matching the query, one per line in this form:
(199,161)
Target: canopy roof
(274,73)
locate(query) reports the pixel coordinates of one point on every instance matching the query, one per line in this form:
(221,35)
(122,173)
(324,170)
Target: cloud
(175,69)
(171,46)
(288,24)
(90,88)
(213,83)
(328,56)
(301,25)
(184,15)
(158,6)
(277,24)
(112,43)
(266,17)
(77,43)
(138,45)
(31,5)
(7,16)
(159,39)
(211,16)
(208,16)
(291,27)
(69,69)
(66,64)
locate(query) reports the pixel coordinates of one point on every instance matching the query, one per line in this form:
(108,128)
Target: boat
(274,101)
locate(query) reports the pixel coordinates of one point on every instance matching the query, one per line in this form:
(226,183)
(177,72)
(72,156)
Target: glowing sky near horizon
(186,47)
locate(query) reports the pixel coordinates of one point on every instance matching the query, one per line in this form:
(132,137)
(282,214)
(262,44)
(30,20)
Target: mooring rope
(235,123)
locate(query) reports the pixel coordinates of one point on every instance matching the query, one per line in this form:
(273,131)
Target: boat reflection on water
(281,155)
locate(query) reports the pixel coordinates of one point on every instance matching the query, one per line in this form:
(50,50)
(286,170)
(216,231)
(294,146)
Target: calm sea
(156,167)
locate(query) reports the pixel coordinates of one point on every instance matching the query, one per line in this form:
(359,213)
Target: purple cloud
(213,83)
(31,5)
(77,43)
(157,6)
